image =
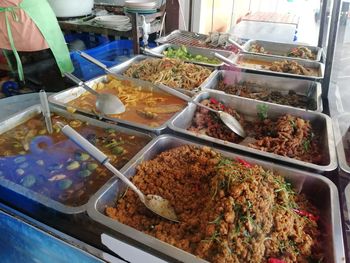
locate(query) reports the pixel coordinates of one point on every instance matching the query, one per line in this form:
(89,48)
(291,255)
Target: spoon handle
(122,177)
(98,155)
(81,83)
(224,59)
(93,60)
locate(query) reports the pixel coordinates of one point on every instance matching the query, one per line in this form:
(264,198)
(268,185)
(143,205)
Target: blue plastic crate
(89,41)
(110,54)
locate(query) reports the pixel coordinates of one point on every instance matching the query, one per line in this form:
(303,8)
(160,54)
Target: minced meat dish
(229,210)
(288,135)
(208,123)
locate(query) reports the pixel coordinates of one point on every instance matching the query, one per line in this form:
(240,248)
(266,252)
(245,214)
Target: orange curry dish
(143,105)
(229,210)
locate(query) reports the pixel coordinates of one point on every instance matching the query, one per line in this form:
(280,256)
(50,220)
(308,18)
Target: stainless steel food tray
(25,115)
(62,98)
(247,107)
(280,49)
(273,83)
(269,59)
(206,52)
(325,198)
(341,126)
(121,68)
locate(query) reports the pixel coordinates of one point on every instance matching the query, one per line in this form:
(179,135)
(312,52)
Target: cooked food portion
(288,135)
(52,165)
(292,67)
(255,91)
(297,52)
(183,54)
(256,48)
(171,72)
(301,52)
(229,210)
(208,123)
(285,66)
(143,105)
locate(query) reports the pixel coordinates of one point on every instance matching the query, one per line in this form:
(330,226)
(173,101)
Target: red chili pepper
(275,260)
(307,214)
(244,162)
(214,101)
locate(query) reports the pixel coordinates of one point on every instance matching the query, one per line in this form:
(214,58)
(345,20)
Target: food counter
(270,197)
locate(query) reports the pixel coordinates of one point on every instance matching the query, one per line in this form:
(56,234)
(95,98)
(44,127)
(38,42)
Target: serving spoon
(227,119)
(105,103)
(155,203)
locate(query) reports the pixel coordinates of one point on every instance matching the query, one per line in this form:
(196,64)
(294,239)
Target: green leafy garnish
(262,111)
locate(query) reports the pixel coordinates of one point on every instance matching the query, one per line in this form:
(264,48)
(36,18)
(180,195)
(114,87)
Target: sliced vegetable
(57,177)
(244,162)
(306,214)
(118,150)
(84,173)
(65,184)
(79,156)
(28,181)
(92,166)
(73,165)
(275,260)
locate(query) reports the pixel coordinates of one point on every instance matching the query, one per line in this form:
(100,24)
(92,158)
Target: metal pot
(71,8)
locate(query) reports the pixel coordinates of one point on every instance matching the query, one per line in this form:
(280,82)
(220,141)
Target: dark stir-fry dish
(54,166)
(255,91)
(229,210)
(288,135)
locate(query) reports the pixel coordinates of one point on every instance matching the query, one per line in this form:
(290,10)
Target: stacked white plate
(118,22)
(140,6)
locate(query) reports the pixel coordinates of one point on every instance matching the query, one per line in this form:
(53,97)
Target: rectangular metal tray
(282,84)
(247,107)
(341,125)
(121,68)
(318,189)
(281,49)
(185,37)
(27,114)
(206,52)
(306,63)
(62,98)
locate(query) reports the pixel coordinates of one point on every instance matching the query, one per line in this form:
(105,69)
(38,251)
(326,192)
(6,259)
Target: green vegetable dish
(183,54)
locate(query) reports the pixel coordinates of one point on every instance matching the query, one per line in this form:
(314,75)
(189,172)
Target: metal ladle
(155,203)
(105,103)
(227,119)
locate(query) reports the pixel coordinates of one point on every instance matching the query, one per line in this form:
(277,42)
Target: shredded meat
(286,66)
(229,211)
(288,136)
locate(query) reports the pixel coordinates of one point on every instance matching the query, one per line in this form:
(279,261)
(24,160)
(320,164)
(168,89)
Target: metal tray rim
(343,164)
(119,69)
(42,199)
(249,42)
(338,246)
(163,47)
(332,155)
(320,66)
(318,89)
(57,102)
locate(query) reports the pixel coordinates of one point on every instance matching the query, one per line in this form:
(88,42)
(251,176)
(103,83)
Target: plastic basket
(89,41)
(110,54)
